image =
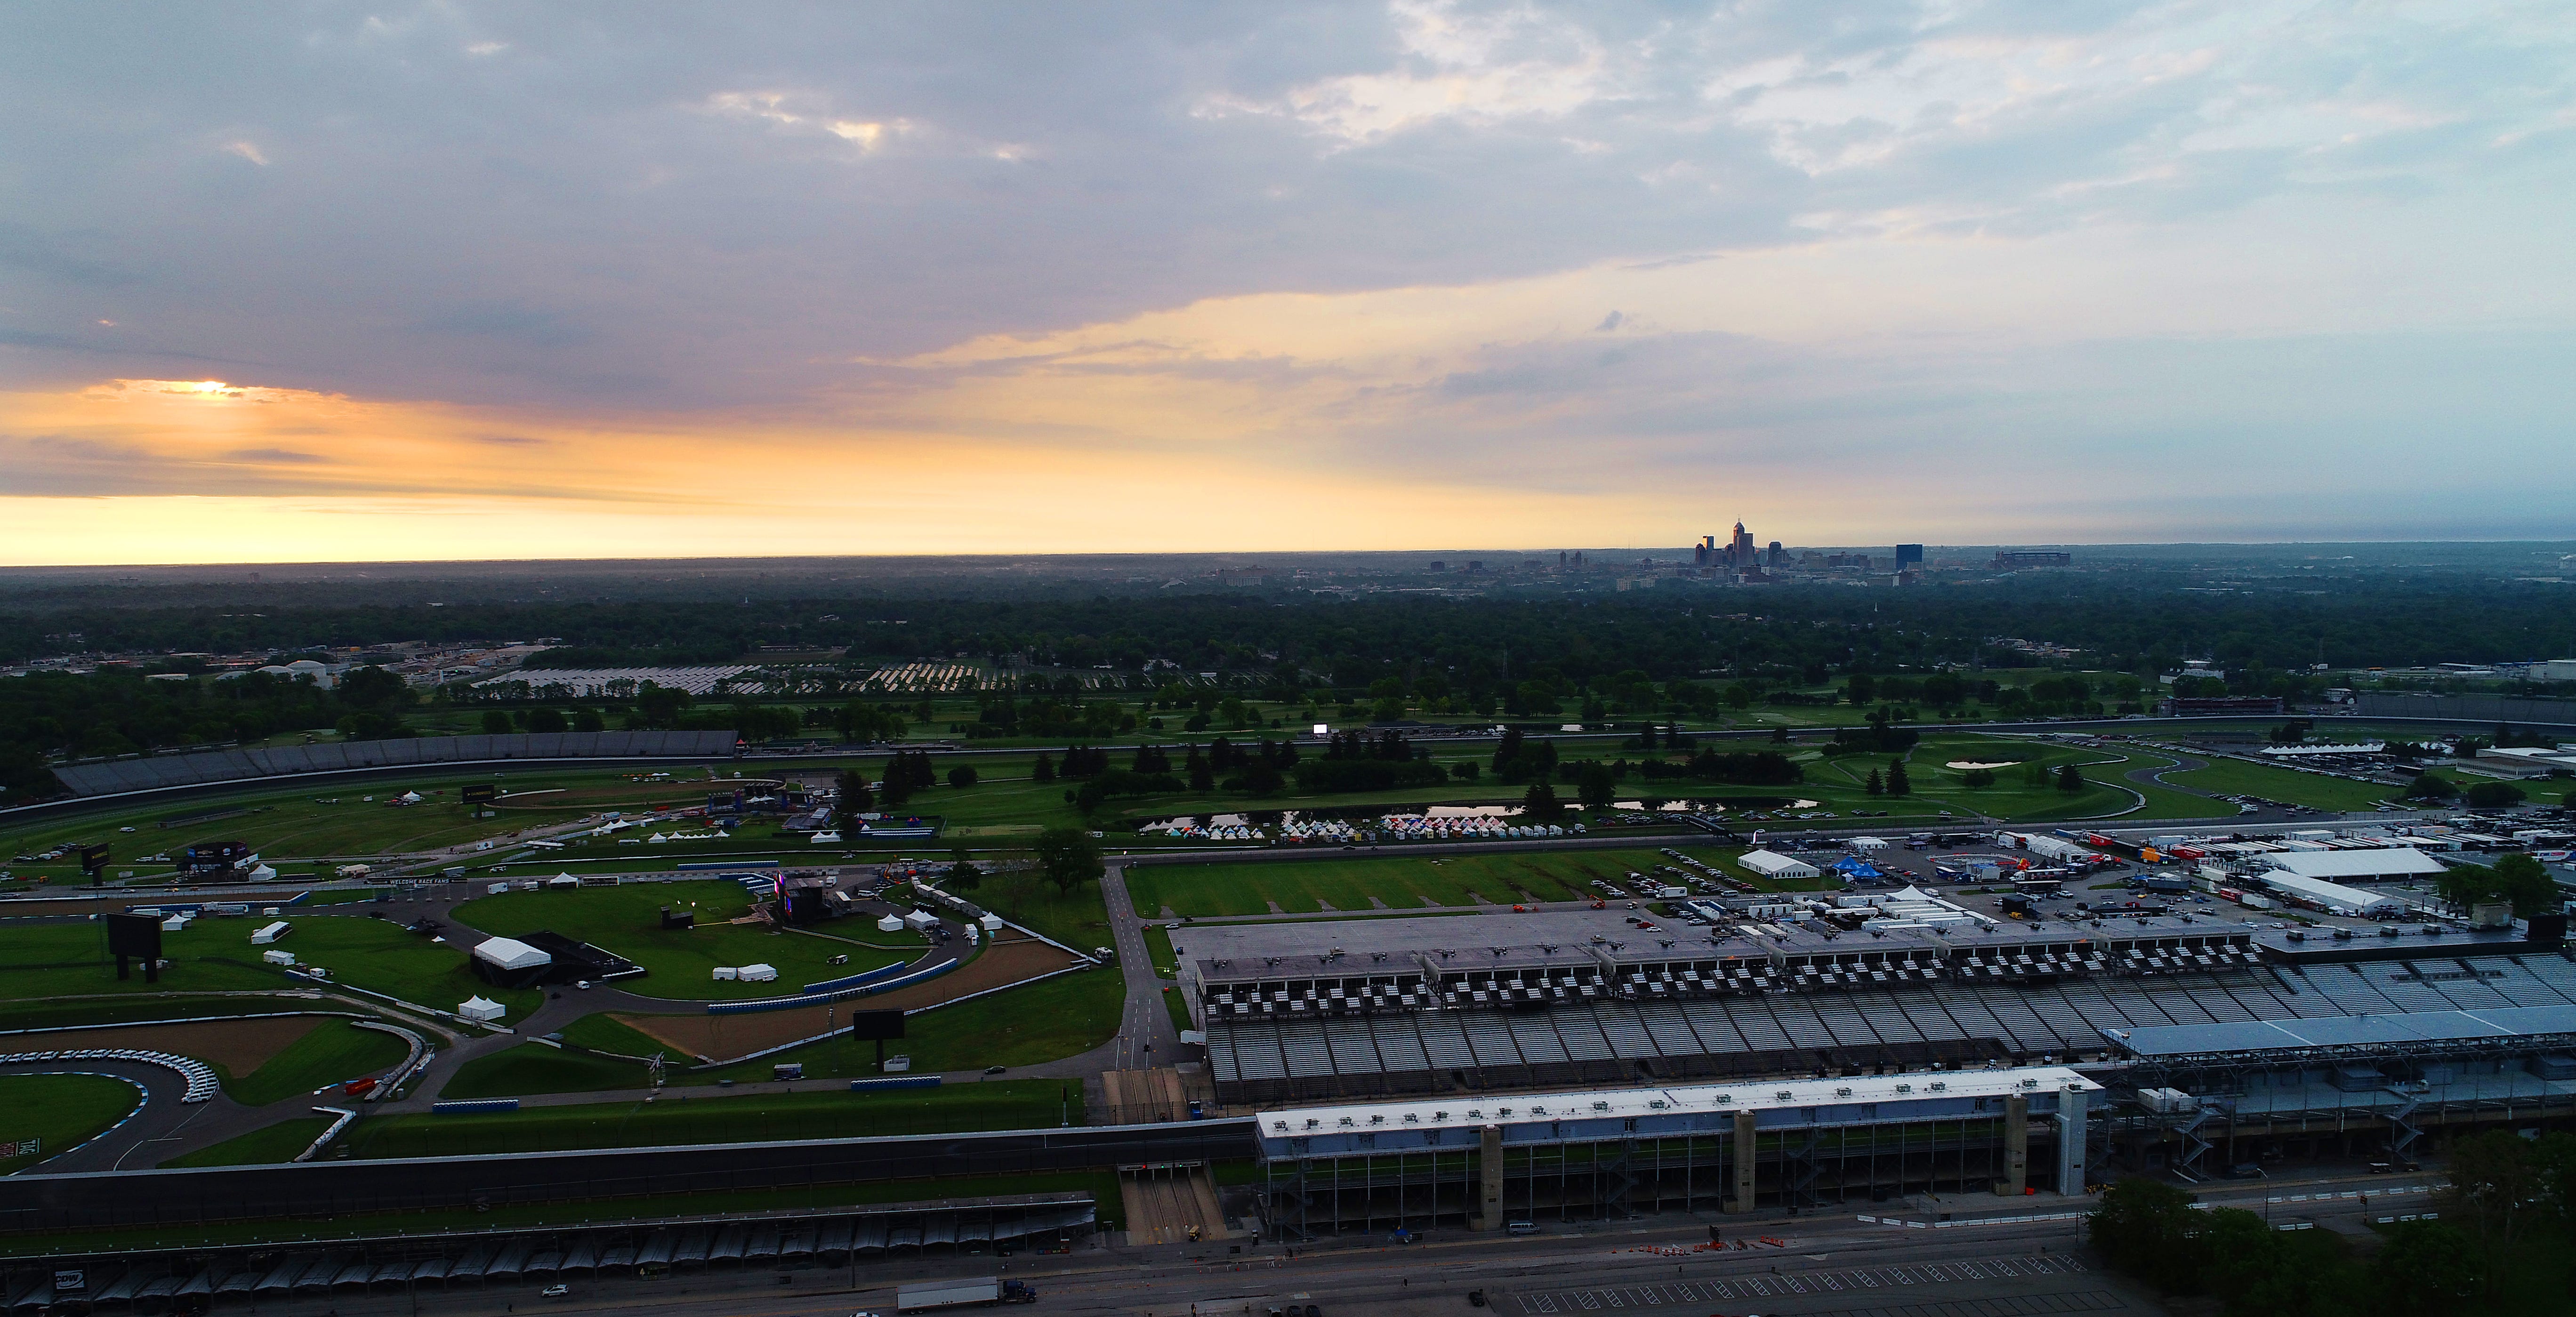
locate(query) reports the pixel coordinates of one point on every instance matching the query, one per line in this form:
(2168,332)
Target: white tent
(563,880)
(1771,864)
(482,1010)
(890,924)
(408,798)
(510,954)
(2333,896)
(2383,865)
(657,839)
(827,839)
(992,922)
(1866,845)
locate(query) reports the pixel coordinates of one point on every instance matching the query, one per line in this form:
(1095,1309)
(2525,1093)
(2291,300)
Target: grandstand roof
(1455,1111)
(2254,1036)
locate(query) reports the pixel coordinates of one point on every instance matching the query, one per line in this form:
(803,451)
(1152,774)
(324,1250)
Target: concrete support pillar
(2070,1142)
(2016,1146)
(1489,1179)
(1743,1199)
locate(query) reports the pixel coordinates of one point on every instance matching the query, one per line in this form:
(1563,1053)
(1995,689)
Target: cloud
(1379,237)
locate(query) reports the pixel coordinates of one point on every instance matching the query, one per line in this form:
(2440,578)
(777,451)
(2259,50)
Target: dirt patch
(1010,959)
(239,1046)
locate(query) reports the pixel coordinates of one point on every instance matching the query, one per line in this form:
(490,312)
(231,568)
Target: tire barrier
(463,1105)
(857,980)
(202,1084)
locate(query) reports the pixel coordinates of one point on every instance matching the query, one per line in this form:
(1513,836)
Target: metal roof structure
(2375,863)
(2347,1031)
(1613,1042)
(1673,1105)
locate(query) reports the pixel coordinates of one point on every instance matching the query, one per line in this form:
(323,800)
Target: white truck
(978,1293)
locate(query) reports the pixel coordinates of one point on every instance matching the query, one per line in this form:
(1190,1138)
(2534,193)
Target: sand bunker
(1008,960)
(239,1046)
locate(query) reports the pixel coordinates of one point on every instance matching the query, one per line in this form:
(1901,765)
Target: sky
(315,282)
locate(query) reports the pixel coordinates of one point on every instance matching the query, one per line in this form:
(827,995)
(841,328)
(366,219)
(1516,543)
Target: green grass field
(269,1143)
(128,1009)
(59,1112)
(376,954)
(1401,881)
(1077,919)
(627,920)
(1044,1021)
(767,1117)
(291,827)
(336,1050)
(216,955)
(1158,945)
(71,960)
(601,1033)
(536,1068)
(2236,778)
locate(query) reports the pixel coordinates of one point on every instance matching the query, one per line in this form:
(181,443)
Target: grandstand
(2209,1043)
(158,772)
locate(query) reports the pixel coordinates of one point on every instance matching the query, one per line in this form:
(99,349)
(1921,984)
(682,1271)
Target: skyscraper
(1739,550)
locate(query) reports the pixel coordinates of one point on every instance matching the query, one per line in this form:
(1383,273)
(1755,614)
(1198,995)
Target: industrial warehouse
(1796,1053)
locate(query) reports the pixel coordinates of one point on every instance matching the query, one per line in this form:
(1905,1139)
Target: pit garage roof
(2345,1031)
(1470,1110)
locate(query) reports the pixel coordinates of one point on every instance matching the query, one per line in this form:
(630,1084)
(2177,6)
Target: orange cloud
(200,471)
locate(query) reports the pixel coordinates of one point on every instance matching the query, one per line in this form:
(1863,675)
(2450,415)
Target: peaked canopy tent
(509,963)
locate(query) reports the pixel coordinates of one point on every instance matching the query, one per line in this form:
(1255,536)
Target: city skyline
(456,281)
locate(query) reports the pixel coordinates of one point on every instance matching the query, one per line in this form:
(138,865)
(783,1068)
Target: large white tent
(2379,865)
(1771,864)
(510,954)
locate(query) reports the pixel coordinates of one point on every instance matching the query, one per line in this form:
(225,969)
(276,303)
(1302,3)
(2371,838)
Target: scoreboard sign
(482,793)
(879,1025)
(93,858)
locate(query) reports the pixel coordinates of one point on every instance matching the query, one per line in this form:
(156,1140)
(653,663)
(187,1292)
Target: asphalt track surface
(162,1121)
(1989,1263)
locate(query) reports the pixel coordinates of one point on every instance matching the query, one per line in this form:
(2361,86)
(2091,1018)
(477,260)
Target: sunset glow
(1446,276)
